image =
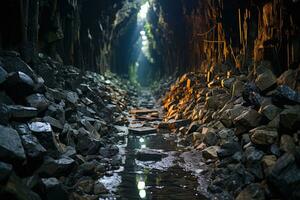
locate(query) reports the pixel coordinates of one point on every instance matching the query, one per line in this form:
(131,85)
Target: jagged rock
(11,148)
(20,112)
(150,155)
(229,115)
(40,127)
(248,119)
(290,117)
(210,152)
(263,135)
(285,176)
(253,161)
(5,171)
(72,97)
(268,161)
(270,111)
(228,149)
(56,168)
(228,82)
(237,88)
(197,137)
(55,124)
(85,184)
(109,151)
(99,188)
(34,150)
(285,95)
(87,145)
(52,189)
(193,127)
(211,138)
(265,80)
(15,63)
(251,95)
(287,144)
(3,75)
(15,189)
(38,101)
(252,192)
(288,78)
(21,81)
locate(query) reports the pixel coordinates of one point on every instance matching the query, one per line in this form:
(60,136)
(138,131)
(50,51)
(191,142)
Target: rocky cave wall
(84,33)
(221,37)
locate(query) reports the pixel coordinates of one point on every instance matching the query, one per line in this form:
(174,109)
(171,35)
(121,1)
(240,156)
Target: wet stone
(3,75)
(142,130)
(38,101)
(53,189)
(11,148)
(21,112)
(5,171)
(34,150)
(55,124)
(210,152)
(150,155)
(40,127)
(56,168)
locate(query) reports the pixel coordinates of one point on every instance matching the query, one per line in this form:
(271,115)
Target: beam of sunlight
(144,11)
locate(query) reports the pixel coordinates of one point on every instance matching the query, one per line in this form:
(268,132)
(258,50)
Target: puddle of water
(166,179)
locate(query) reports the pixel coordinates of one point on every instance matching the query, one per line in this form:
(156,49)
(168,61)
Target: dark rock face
(11,148)
(285,95)
(53,189)
(37,101)
(56,168)
(5,171)
(285,176)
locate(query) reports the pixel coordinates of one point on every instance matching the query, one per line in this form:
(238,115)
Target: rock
(229,115)
(193,127)
(197,137)
(3,75)
(270,111)
(72,97)
(285,177)
(210,152)
(109,151)
(99,188)
(11,148)
(248,119)
(150,155)
(237,88)
(34,150)
(265,80)
(253,161)
(21,81)
(55,168)
(15,189)
(20,112)
(251,95)
(142,130)
(55,124)
(40,127)
(287,144)
(228,149)
(228,82)
(290,117)
(263,135)
(173,124)
(5,171)
(211,138)
(86,145)
(288,78)
(253,191)
(86,185)
(284,95)
(38,101)
(268,161)
(52,189)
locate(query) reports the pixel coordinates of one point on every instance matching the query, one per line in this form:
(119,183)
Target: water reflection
(142,194)
(141,185)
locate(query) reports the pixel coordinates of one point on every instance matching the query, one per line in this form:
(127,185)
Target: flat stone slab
(142,130)
(150,155)
(142,111)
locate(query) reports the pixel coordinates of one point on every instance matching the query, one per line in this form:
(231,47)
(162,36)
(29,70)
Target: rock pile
(57,131)
(247,129)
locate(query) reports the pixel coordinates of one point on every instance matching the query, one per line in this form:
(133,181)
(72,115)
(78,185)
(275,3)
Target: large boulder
(290,117)
(285,177)
(285,95)
(263,135)
(34,150)
(53,189)
(250,118)
(56,167)
(288,78)
(270,111)
(265,80)
(87,145)
(11,148)
(18,112)
(38,101)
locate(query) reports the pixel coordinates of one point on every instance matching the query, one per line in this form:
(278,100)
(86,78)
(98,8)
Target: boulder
(211,138)
(290,117)
(56,168)
(253,191)
(150,155)
(265,80)
(20,112)
(287,144)
(251,95)
(53,189)
(249,118)
(228,149)
(21,81)
(270,111)
(263,135)
(268,161)
(86,145)
(288,78)
(285,177)
(3,75)
(5,171)
(38,101)
(11,148)
(210,152)
(99,188)
(34,150)
(284,95)
(55,124)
